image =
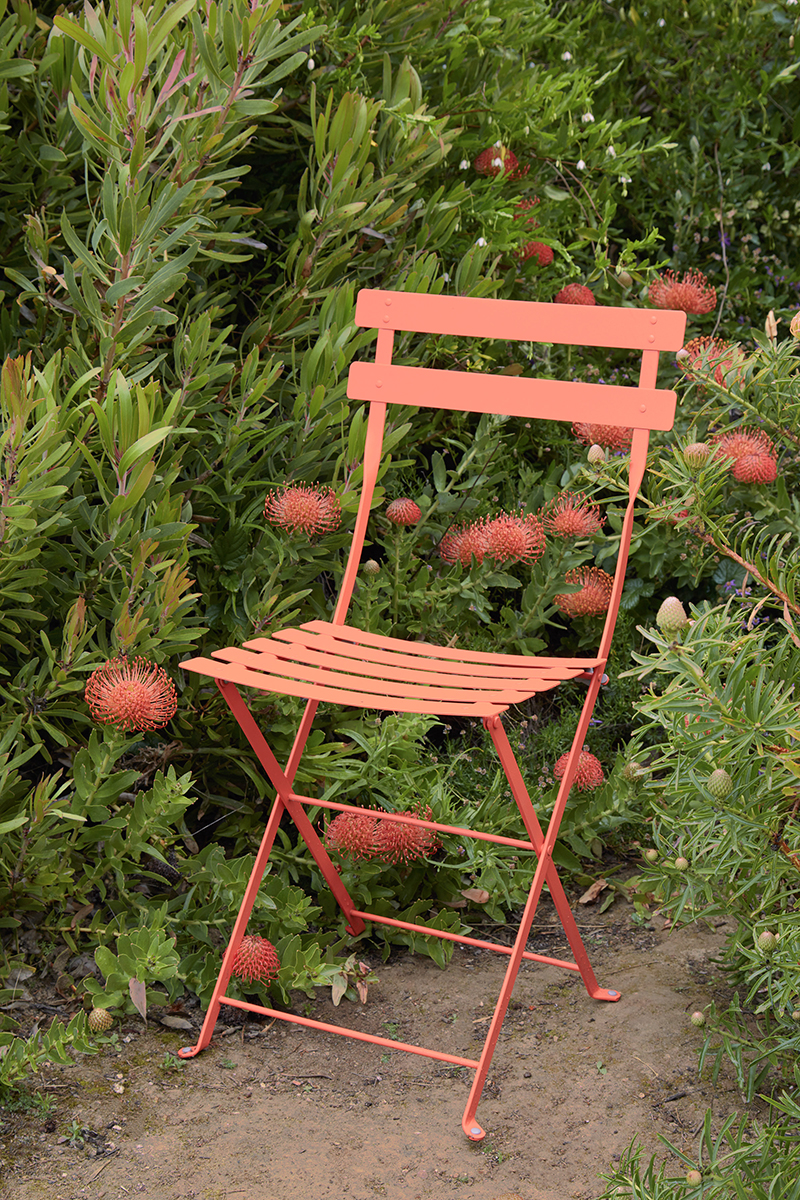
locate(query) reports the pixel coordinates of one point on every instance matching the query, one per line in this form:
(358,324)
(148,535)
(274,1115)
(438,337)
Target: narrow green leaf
(143,445)
(79,34)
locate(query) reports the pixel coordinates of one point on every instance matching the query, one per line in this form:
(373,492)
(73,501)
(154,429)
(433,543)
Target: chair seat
(343,665)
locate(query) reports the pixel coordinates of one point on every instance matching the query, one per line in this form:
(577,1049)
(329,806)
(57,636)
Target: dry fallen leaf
(478,895)
(175,1022)
(591,893)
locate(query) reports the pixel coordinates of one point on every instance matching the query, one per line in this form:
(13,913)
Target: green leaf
(143,445)
(79,34)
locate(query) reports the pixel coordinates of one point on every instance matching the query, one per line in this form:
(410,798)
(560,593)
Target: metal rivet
(642,407)
(388,303)
(653,320)
(386,322)
(379,383)
(652,337)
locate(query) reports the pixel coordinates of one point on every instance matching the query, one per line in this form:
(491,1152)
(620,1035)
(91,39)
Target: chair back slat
(521,320)
(513,396)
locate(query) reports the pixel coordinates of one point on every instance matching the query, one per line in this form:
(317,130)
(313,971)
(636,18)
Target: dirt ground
(277,1112)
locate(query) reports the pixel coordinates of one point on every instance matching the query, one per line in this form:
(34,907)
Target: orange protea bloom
(714,352)
(575,293)
(463,543)
(403,512)
(572,515)
(614,437)
(756,468)
(543,254)
(594,597)
(524,208)
(131,694)
(309,508)
(354,834)
(369,836)
(692,294)
(514,539)
(256,960)
(588,775)
(404,843)
(499,158)
(752,453)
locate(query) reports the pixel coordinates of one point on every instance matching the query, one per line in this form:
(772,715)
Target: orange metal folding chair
(332,661)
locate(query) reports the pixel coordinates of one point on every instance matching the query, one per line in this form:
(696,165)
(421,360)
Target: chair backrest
(382,382)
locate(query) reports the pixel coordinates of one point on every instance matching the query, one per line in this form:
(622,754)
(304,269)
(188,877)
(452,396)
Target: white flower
(661,22)
(311,64)
(566,56)
(446,277)
(587,117)
(581,165)
(463,165)
(498,143)
(611,152)
(481,242)
(766,166)
(497,162)
(625,179)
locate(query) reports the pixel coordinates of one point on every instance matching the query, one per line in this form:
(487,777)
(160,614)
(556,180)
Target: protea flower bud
(671,616)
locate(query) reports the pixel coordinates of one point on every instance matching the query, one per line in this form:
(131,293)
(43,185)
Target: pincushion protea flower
(369,836)
(572,515)
(403,512)
(543,254)
(131,694)
(692,294)
(524,208)
(304,508)
(514,539)
(594,597)
(505,538)
(499,158)
(752,454)
(718,354)
(256,960)
(575,293)
(588,775)
(613,437)
(463,543)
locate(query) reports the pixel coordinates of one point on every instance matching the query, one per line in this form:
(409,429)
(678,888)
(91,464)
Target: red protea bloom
(756,468)
(256,960)
(752,453)
(537,250)
(692,294)
(715,352)
(614,437)
(463,543)
(369,836)
(524,208)
(514,539)
(594,597)
(496,159)
(354,834)
(572,515)
(403,512)
(405,843)
(575,293)
(588,775)
(309,508)
(131,694)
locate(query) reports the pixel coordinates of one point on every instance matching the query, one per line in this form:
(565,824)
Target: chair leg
(545,871)
(534,831)
(243,916)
